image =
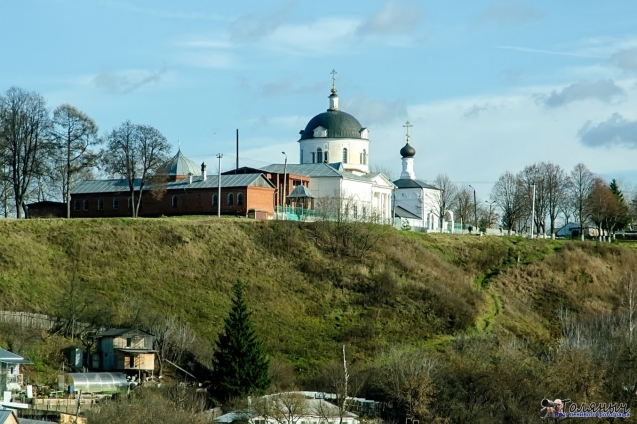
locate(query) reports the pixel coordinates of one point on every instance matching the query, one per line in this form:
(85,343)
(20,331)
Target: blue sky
(488,85)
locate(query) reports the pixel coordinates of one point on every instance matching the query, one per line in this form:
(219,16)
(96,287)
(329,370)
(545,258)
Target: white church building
(334,151)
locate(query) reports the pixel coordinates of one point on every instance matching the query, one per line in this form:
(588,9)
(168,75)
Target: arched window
(230,199)
(76,205)
(130,203)
(345,155)
(361,159)
(325,156)
(319,155)
(239,199)
(115,203)
(313,156)
(174,201)
(85,204)
(364,157)
(215,200)
(100,204)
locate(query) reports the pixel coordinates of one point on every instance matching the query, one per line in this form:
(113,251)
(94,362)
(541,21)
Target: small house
(7,417)
(10,377)
(124,349)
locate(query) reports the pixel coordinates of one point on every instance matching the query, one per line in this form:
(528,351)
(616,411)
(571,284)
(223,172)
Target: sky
(489,86)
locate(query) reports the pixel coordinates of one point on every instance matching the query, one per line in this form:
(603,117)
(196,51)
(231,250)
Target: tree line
(44,152)
(541,196)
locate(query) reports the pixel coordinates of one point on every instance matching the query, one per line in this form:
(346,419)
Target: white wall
(335,148)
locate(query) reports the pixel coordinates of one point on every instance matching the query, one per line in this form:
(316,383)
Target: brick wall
(176,202)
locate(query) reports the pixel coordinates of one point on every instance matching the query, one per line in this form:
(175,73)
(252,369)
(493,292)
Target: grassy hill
(503,321)
(408,288)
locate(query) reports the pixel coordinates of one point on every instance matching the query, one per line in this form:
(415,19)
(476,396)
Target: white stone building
(416,201)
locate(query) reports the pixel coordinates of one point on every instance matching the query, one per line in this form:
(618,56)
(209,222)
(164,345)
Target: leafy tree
(240,366)
(74,133)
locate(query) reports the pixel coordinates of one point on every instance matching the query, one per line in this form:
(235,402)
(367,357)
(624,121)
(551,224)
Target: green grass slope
(408,288)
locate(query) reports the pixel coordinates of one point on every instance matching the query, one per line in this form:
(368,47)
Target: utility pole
(285,170)
(475,208)
(237,167)
(219,156)
(490,218)
(533,210)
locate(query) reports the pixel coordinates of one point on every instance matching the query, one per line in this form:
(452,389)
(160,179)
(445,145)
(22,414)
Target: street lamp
(475,208)
(285,170)
(490,205)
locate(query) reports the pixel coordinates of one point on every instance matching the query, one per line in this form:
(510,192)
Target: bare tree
(404,374)
(135,152)
(387,171)
(508,194)
(556,191)
(445,196)
(74,133)
(284,408)
(533,175)
(580,186)
(24,143)
(463,205)
(173,338)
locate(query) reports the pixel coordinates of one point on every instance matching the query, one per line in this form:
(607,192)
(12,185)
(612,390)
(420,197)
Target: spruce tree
(240,366)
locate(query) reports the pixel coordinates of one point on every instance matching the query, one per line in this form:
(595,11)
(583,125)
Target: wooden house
(124,349)
(10,376)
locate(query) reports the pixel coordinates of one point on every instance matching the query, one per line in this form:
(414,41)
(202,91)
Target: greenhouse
(96,382)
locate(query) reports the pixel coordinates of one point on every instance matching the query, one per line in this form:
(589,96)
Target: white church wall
(334,146)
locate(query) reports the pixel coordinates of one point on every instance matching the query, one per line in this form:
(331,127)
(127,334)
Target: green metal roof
(180,165)
(121,186)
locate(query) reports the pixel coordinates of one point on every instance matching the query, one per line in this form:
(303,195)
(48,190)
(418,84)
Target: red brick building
(277,179)
(185,193)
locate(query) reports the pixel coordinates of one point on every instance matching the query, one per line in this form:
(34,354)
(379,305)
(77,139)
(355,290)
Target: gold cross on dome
(333,79)
(407,126)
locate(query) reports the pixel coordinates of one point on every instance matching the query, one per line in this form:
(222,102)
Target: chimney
(203,171)
(189,178)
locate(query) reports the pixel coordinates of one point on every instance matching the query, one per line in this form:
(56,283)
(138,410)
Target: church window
(76,205)
(85,204)
(115,203)
(313,156)
(345,155)
(100,204)
(364,157)
(215,200)
(325,157)
(319,155)
(174,202)
(361,159)
(301,155)
(230,199)
(239,199)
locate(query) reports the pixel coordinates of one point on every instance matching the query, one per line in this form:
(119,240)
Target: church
(331,179)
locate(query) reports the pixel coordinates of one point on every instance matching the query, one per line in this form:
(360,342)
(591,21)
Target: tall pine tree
(240,366)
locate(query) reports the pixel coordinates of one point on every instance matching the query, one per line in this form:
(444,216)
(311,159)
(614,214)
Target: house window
(215,200)
(132,362)
(230,199)
(130,203)
(345,155)
(319,155)
(128,342)
(100,204)
(115,203)
(85,204)
(239,199)
(174,202)
(76,205)
(313,156)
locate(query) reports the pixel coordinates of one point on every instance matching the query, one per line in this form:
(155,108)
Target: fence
(28,319)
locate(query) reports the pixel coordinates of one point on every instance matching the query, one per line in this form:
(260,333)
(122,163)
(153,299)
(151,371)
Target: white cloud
(625,59)
(324,36)
(255,27)
(393,17)
(603,90)
(506,13)
(373,112)
(615,131)
(123,82)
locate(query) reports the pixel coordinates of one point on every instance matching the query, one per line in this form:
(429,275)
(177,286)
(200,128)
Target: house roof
(180,165)
(11,358)
(313,170)
(132,350)
(300,191)
(5,414)
(409,183)
(114,332)
(404,213)
(121,185)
